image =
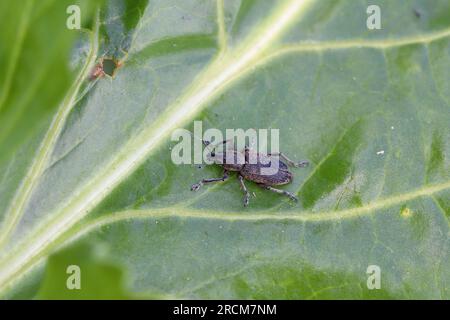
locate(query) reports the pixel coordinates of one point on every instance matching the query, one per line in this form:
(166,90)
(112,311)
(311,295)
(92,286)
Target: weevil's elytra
(252,172)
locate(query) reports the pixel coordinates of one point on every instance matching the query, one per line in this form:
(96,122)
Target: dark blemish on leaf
(405,212)
(109,66)
(106,66)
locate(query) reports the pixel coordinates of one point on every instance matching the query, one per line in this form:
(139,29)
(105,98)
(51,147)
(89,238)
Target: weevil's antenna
(208,145)
(218,143)
(205,143)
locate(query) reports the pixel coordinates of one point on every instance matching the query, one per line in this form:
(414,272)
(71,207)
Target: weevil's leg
(244,188)
(300,164)
(197,186)
(286,193)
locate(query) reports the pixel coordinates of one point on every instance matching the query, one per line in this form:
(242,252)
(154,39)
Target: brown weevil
(251,170)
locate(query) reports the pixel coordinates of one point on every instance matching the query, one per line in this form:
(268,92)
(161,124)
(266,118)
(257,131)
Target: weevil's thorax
(231,160)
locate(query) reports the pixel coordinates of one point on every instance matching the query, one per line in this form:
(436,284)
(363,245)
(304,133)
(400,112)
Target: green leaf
(368,108)
(35,55)
(99,279)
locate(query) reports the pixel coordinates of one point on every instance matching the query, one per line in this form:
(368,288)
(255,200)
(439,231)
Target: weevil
(251,170)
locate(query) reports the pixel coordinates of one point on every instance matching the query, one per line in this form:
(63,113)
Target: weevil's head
(215,156)
(229,160)
(220,154)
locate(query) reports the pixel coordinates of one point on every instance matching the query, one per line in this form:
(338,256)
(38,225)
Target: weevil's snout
(211,156)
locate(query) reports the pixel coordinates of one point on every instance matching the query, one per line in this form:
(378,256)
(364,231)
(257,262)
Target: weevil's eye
(213,154)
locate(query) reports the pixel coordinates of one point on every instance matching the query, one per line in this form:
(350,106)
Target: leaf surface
(368,109)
